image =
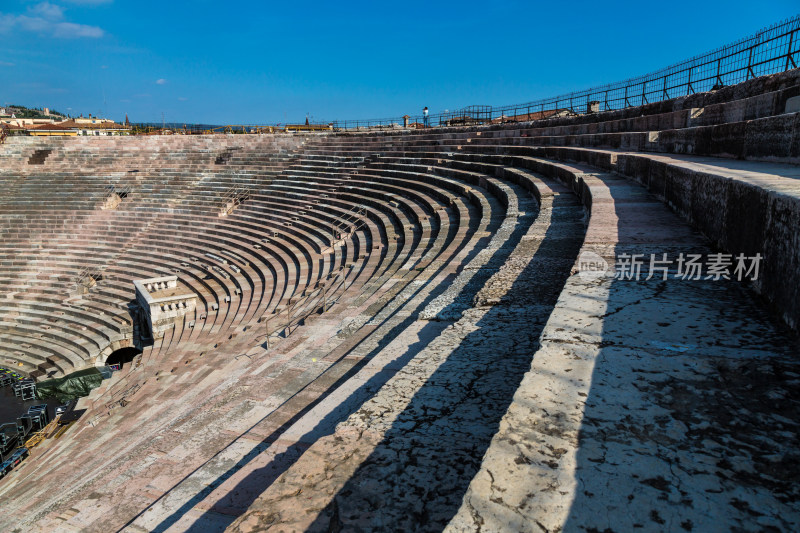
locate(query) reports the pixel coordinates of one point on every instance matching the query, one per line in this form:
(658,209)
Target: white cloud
(6,64)
(48,11)
(69,30)
(161,81)
(88,2)
(47,19)
(182,98)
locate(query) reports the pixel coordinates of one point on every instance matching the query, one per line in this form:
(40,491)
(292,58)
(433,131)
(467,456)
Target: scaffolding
(114,195)
(46,433)
(345,226)
(86,279)
(233,198)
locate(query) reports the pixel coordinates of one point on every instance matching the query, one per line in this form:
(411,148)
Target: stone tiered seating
(126,243)
(465,373)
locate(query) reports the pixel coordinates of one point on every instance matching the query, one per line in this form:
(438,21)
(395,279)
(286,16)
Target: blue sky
(263,62)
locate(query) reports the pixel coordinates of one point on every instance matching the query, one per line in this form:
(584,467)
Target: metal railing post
(789,53)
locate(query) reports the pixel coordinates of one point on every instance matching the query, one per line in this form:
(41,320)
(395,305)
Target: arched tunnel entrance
(122,356)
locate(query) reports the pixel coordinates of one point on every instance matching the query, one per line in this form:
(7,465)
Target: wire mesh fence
(772,50)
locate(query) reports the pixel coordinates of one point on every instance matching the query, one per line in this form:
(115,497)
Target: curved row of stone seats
(180,149)
(127,275)
(78,245)
(548,456)
(741,122)
(436,465)
(623,220)
(455,225)
(682,181)
(487,221)
(439,165)
(231,238)
(417,216)
(479,510)
(742,207)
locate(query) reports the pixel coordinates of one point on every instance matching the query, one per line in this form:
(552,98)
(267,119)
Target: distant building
(49,130)
(72,127)
(95,126)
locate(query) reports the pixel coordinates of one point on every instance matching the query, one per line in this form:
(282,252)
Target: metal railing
(772,50)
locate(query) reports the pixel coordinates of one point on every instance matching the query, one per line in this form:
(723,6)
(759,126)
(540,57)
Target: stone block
(768,137)
(781,265)
(762,105)
(746,213)
(678,190)
(725,140)
(709,199)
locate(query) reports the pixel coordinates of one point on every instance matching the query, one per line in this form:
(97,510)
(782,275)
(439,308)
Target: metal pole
(789,54)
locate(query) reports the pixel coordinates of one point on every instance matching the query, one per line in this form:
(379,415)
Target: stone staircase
(467,372)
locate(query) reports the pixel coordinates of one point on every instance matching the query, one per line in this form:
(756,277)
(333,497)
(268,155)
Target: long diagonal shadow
(266,475)
(415,479)
(679,429)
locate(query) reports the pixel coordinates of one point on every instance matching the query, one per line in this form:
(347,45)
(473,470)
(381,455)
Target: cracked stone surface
(482,388)
(420,439)
(653,405)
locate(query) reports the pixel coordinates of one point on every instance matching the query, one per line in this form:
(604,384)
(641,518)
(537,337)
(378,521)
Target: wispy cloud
(39,87)
(88,2)
(6,64)
(161,81)
(47,11)
(182,98)
(47,19)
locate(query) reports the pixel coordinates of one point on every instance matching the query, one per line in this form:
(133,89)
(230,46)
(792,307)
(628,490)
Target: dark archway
(122,356)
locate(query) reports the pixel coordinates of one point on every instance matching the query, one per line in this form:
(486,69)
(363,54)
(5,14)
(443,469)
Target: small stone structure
(161,301)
